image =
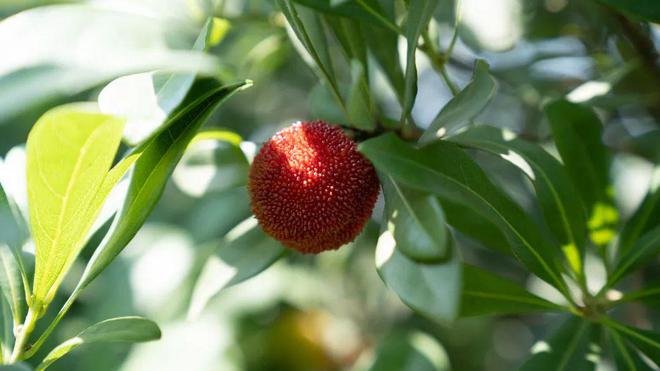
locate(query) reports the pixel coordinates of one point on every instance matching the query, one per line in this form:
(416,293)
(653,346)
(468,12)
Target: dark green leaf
(649,295)
(625,356)
(11,284)
(487,293)
(562,207)
(577,133)
(359,105)
(648,342)
(432,290)
(443,169)
(571,348)
(121,329)
(362,10)
(416,221)
(475,225)
(410,352)
(648,10)
(465,106)
(312,36)
(245,252)
(420,13)
(645,249)
(384,46)
(158,158)
(12,270)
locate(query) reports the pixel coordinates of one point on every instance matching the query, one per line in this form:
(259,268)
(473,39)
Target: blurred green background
(331,312)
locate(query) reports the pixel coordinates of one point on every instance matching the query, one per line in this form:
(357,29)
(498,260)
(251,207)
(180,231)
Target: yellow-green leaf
(69,153)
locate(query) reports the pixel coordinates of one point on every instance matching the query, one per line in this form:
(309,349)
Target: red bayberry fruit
(311,189)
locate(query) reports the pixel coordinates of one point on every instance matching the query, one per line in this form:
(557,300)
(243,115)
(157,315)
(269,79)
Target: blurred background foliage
(331,312)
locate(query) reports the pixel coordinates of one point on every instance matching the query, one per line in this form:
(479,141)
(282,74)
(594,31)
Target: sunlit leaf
(121,329)
(572,347)
(245,251)
(69,154)
(416,221)
(443,169)
(465,106)
(432,290)
(487,293)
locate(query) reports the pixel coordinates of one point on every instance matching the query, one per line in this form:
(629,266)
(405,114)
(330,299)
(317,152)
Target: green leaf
(361,10)
(323,105)
(121,329)
(626,357)
(213,162)
(416,221)
(444,169)
(349,34)
(649,296)
(158,158)
(572,347)
(13,234)
(69,154)
(465,106)
(311,35)
(485,293)
(384,46)
(432,290)
(648,10)
(475,225)
(15,367)
(414,351)
(11,284)
(562,207)
(245,252)
(577,133)
(420,13)
(644,218)
(648,342)
(359,103)
(43,67)
(146,99)
(644,250)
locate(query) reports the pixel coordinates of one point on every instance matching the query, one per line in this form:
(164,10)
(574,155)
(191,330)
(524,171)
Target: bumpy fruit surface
(311,189)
